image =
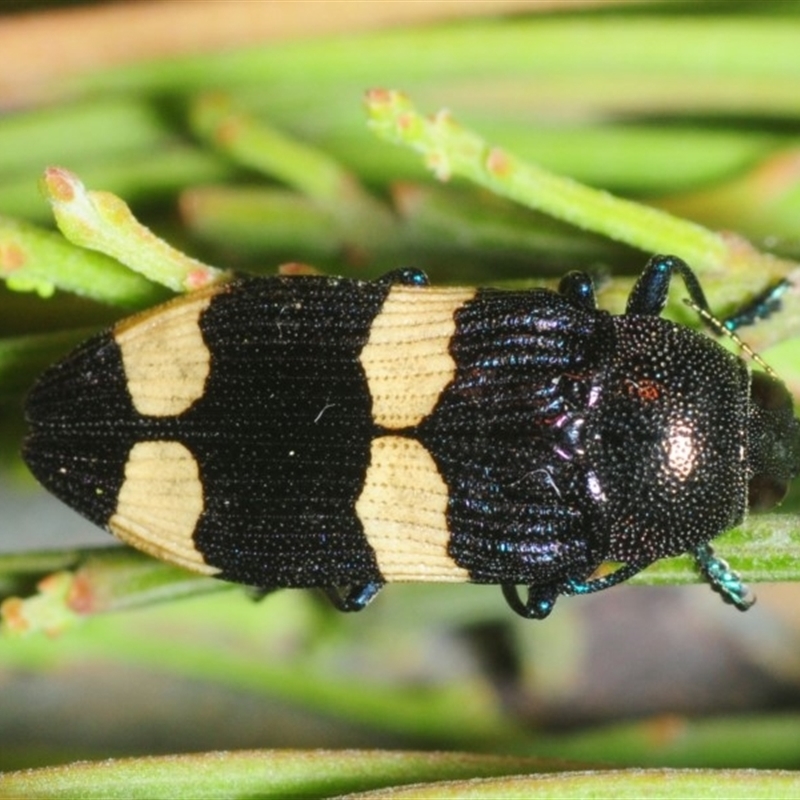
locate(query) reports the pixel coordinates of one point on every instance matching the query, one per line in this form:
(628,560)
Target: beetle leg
(578,288)
(353,598)
(406,276)
(722,579)
(649,294)
(598,584)
(538,604)
(761,306)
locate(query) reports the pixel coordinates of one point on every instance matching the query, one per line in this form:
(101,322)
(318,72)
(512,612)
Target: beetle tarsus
(722,579)
(406,276)
(762,306)
(353,598)
(537,605)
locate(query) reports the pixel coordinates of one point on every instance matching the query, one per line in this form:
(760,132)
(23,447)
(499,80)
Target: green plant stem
(263,774)
(765,548)
(36,259)
(643,158)
(739,63)
(360,217)
(437,225)
(318,774)
(259,220)
(610,784)
(271,152)
(101,221)
(452,150)
(680,742)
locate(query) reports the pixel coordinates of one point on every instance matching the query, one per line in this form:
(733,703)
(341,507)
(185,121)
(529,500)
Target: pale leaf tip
(59,185)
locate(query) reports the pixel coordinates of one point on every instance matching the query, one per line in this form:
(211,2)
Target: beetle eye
(765,492)
(769,393)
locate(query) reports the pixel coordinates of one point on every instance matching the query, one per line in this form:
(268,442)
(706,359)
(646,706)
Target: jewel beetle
(311,431)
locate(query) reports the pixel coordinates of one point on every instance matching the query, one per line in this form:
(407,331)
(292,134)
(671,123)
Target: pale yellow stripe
(165,359)
(160,503)
(406,358)
(402,509)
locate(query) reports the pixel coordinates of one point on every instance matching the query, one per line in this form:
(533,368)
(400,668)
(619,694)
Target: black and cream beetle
(343,434)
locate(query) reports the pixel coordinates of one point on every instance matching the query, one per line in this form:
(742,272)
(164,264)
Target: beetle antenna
(717,325)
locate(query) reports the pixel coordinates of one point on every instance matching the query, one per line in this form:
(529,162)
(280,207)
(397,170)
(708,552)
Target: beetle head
(773,451)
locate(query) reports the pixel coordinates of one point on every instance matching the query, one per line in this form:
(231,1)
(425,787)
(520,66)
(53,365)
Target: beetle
(311,431)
